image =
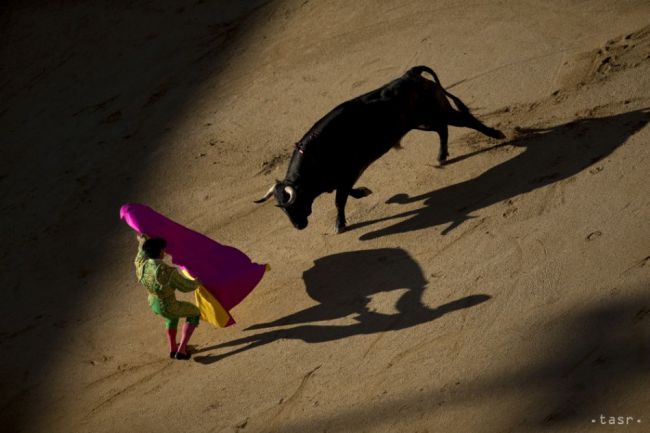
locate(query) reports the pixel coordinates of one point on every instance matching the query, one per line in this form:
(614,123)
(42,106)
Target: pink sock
(171,338)
(188,328)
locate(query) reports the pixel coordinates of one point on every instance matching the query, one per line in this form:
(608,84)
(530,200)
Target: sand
(504,292)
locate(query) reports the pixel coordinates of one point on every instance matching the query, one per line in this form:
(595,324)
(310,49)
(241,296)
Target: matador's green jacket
(161,280)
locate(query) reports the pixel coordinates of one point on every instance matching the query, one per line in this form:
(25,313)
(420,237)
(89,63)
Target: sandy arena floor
(505,292)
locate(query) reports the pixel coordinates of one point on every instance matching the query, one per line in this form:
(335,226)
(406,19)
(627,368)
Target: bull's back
(359,125)
(353,135)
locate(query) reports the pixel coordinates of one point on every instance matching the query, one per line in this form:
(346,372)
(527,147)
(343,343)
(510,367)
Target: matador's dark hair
(153,247)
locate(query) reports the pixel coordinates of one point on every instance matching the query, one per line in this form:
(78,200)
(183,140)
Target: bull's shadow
(550,155)
(343,284)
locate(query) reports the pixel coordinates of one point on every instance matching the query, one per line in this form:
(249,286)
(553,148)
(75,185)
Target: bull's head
(292,200)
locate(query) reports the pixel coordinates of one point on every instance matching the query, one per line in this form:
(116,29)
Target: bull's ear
(267,196)
(282,199)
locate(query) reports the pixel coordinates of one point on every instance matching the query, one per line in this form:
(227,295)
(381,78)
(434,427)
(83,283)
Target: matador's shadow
(550,155)
(343,285)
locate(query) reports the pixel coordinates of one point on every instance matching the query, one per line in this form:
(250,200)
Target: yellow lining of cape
(211,310)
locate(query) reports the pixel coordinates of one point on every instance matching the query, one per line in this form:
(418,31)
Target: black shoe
(172,355)
(183,356)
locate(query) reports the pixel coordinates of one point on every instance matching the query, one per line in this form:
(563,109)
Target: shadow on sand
(90,91)
(343,284)
(550,155)
(586,362)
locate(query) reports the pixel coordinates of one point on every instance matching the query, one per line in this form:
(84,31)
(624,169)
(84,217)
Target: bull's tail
(416,71)
(459,104)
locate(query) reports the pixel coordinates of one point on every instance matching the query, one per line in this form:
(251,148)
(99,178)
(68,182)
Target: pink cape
(227,273)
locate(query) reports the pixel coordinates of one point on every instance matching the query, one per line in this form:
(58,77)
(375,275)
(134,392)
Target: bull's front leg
(340,201)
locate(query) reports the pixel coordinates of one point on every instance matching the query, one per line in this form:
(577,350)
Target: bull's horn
(267,196)
(292,195)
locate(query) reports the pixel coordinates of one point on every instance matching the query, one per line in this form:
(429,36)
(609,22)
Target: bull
(334,153)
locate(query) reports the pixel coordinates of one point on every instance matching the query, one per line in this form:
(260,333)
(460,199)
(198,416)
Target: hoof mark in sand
(594,235)
(616,55)
(510,212)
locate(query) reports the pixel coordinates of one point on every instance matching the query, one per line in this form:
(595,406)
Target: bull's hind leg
(466,120)
(443,153)
(340,201)
(443,133)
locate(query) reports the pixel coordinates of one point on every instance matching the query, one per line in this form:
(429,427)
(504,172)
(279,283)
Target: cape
(227,274)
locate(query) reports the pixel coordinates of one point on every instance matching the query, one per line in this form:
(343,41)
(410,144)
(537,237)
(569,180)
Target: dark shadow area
(550,155)
(587,363)
(343,284)
(88,91)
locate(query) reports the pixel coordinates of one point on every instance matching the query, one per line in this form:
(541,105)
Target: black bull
(340,146)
